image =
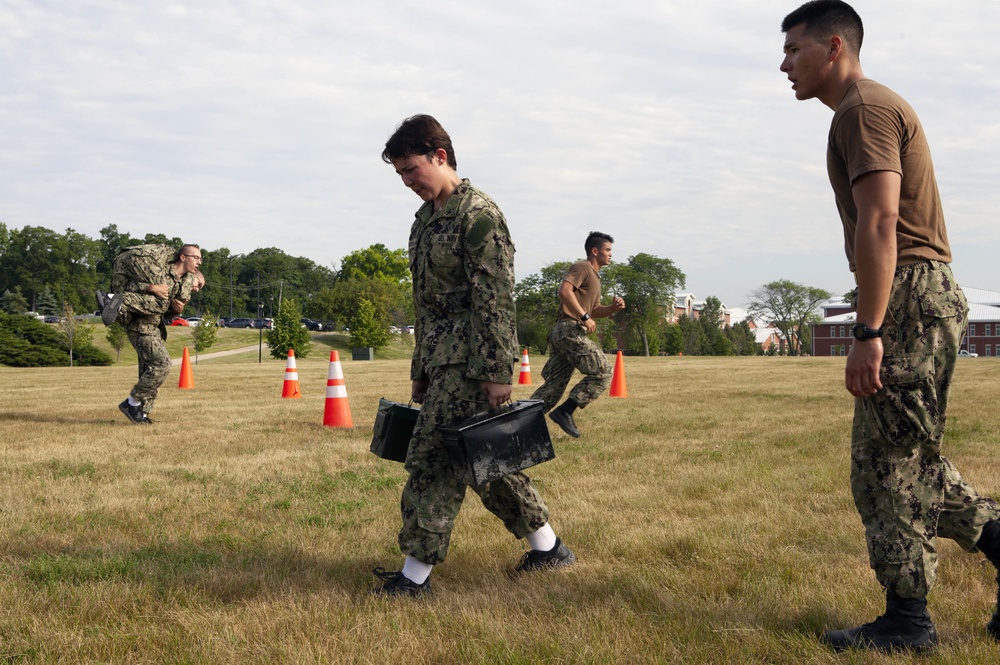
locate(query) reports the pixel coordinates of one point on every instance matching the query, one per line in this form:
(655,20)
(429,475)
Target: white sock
(542,540)
(133,401)
(416,570)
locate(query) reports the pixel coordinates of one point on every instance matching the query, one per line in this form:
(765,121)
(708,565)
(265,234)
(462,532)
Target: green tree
(78,334)
(13,302)
(376,262)
(288,332)
(647,283)
(742,338)
(27,342)
(111,244)
(711,321)
(367,329)
(279,275)
(789,306)
(116,338)
(203,335)
(693,334)
(34,258)
(673,339)
(537,300)
(47,303)
(341,302)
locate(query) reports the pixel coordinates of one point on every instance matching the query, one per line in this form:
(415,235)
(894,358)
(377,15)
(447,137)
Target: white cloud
(666,124)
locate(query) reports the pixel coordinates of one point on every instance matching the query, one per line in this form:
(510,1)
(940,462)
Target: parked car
(263,323)
(193,320)
(179,321)
(311,325)
(52,318)
(967,354)
(239,323)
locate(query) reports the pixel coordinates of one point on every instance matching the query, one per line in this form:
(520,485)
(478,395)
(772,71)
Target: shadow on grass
(13,416)
(209,568)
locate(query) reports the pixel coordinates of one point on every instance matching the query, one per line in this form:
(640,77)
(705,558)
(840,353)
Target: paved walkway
(216,354)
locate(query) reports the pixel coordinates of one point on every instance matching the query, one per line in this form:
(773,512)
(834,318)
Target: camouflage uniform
(570,349)
(905,491)
(462,262)
(134,270)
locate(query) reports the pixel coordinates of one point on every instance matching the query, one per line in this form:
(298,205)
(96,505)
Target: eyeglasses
(192,256)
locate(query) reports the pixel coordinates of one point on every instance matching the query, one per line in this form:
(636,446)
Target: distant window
(988,333)
(972,348)
(833,331)
(972,329)
(843,331)
(989,350)
(833,350)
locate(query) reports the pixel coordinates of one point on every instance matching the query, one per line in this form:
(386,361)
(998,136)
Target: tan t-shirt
(586,286)
(874,129)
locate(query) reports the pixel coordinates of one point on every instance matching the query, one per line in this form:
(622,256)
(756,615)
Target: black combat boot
(563,416)
(906,624)
(989,544)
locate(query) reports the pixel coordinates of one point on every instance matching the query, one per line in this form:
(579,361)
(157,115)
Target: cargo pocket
(940,297)
(891,548)
(906,409)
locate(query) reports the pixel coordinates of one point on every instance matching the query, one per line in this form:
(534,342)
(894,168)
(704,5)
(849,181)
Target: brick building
(832,335)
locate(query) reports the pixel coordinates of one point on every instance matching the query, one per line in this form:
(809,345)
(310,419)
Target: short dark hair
(184,250)
(418,135)
(596,239)
(825,18)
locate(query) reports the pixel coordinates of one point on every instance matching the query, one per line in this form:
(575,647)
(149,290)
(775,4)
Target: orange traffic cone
(291,387)
(338,410)
(187,377)
(618,388)
(525,377)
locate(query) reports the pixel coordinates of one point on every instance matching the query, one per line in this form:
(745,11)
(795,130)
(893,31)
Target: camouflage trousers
(906,492)
(154,366)
(435,489)
(570,349)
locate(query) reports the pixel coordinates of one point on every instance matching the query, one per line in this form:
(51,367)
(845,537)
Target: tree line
(46,272)
(43,270)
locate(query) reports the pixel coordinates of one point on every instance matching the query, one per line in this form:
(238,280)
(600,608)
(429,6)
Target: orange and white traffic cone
(187,376)
(291,387)
(524,378)
(618,388)
(337,412)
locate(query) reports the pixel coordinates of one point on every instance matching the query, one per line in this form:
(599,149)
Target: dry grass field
(709,510)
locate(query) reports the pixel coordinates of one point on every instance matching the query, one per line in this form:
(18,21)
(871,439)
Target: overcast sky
(666,124)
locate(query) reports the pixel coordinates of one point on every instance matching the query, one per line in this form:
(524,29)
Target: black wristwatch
(862,332)
(585,317)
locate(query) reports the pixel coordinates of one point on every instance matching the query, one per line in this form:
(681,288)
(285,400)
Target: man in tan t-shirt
(910,316)
(570,348)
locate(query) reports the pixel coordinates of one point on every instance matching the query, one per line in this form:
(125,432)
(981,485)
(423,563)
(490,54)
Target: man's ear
(836,47)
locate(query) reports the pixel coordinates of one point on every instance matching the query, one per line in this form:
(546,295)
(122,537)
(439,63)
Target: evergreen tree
(47,303)
(13,302)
